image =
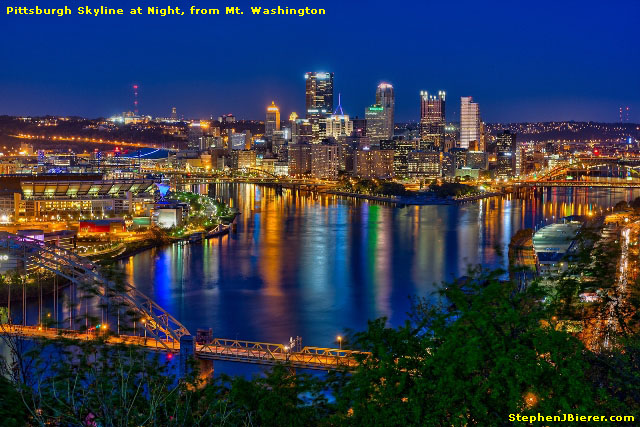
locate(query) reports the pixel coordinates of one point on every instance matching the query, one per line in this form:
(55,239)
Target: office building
(195,136)
(424,164)
(386,99)
(243,159)
(299,159)
(477,160)
(339,126)
(373,163)
(506,155)
(375,116)
(324,161)
(402,148)
(319,94)
(318,102)
(432,121)
(272,122)
(469,122)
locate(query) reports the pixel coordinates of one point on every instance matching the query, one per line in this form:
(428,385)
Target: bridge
(279,182)
(589,171)
(100,305)
(635,183)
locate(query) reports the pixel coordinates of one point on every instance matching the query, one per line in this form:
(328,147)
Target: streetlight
(340,341)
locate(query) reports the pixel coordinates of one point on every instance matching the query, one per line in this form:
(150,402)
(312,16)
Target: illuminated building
(319,94)
(243,159)
(373,163)
(477,160)
(339,126)
(272,122)
(469,122)
(65,197)
(402,148)
(506,155)
(386,99)
(299,159)
(227,118)
(318,101)
(375,116)
(278,141)
(552,243)
(240,141)
(424,164)
(301,129)
(112,225)
(194,141)
(432,121)
(324,161)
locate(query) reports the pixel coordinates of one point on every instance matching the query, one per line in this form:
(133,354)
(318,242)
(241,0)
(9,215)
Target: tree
(486,351)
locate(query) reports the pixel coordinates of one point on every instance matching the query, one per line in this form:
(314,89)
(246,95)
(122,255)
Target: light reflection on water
(313,265)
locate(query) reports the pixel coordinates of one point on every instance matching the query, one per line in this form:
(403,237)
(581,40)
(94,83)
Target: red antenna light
(135,99)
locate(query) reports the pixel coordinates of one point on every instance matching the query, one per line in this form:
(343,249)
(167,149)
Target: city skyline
(516,71)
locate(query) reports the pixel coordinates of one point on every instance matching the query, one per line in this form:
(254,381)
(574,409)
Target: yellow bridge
(122,306)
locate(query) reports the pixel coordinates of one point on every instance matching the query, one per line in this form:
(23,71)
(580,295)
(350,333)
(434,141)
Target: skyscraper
(506,154)
(469,121)
(338,124)
(272,122)
(376,130)
(432,120)
(318,101)
(386,99)
(319,94)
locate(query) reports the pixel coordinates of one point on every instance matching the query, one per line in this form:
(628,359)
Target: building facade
(432,120)
(373,163)
(469,122)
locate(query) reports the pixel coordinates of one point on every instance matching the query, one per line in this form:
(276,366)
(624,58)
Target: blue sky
(520,60)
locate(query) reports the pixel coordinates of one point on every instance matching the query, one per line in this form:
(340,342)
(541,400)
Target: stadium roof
(73,189)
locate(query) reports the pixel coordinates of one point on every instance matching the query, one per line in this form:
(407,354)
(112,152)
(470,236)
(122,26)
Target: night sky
(520,60)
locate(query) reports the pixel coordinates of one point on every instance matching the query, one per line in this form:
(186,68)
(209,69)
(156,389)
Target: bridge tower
(188,360)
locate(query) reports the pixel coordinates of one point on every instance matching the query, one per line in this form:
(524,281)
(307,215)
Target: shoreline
(127,253)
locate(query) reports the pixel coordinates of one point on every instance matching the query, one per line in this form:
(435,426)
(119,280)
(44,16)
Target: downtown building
(324,161)
(424,164)
(380,116)
(272,120)
(318,102)
(469,123)
(299,159)
(506,155)
(432,121)
(338,124)
(373,163)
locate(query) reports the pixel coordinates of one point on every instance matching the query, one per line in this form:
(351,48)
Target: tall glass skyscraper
(319,94)
(318,102)
(272,122)
(432,120)
(469,122)
(386,99)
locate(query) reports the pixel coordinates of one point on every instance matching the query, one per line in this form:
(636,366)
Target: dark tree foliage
(476,352)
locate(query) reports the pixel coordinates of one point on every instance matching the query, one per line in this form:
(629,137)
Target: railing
(83,272)
(271,354)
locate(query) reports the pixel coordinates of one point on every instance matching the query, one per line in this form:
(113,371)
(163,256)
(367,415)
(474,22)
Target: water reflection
(311,265)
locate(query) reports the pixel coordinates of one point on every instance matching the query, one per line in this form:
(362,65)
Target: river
(302,264)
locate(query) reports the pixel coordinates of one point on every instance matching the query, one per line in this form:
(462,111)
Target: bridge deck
(219,349)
